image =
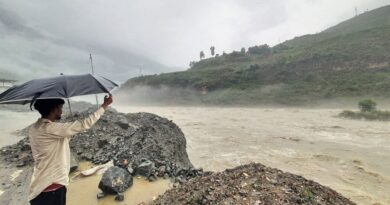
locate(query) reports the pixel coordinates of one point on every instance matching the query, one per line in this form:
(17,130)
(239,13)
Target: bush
(367,111)
(260,50)
(374,115)
(367,105)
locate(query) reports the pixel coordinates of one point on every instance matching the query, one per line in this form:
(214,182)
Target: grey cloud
(47,37)
(13,23)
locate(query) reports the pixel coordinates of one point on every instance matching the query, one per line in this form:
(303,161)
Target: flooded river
(11,122)
(352,157)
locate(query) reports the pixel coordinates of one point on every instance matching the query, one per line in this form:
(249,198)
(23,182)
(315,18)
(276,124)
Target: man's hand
(107,101)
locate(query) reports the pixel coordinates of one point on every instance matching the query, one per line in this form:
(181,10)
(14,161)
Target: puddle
(84,190)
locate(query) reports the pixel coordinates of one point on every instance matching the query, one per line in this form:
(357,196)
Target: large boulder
(131,138)
(127,139)
(115,180)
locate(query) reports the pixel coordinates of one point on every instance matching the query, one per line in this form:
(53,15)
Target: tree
(192,63)
(243,50)
(367,105)
(260,50)
(201,55)
(212,50)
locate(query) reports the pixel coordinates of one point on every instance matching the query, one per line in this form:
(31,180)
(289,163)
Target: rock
(130,170)
(122,122)
(119,197)
(161,169)
(21,164)
(115,180)
(152,178)
(159,140)
(102,142)
(100,195)
(25,147)
(145,168)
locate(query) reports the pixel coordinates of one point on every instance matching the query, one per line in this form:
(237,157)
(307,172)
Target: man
(49,142)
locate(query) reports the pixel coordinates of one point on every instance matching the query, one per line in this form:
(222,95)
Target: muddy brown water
(84,190)
(11,122)
(350,156)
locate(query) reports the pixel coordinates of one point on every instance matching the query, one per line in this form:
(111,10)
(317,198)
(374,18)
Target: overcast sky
(44,37)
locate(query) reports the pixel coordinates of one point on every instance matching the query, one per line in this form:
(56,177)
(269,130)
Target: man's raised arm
(72,128)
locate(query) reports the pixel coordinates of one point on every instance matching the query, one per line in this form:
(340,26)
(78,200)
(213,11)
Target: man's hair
(45,106)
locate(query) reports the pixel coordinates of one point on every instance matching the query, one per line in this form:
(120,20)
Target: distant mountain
(112,63)
(29,51)
(351,59)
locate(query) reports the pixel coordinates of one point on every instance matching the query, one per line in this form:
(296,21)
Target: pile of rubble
(251,184)
(130,140)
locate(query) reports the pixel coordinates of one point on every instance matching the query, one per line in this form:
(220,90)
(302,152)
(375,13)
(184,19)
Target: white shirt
(50,149)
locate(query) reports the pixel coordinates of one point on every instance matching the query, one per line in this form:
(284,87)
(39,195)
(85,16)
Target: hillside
(351,59)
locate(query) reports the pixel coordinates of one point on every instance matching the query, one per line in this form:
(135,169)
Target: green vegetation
(351,59)
(374,115)
(309,196)
(367,111)
(367,105)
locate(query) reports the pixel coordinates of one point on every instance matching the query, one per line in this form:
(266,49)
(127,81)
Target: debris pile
(251,184)
(142,143)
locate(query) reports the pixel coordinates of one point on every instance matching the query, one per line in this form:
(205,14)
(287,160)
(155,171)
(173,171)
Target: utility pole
(67,99)
(93,72)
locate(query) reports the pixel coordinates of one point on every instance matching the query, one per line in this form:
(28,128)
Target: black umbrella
(64,86)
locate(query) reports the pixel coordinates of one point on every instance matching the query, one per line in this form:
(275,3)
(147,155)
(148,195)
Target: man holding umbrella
(49,142)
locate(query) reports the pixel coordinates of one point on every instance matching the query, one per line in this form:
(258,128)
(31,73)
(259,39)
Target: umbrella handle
(70,108)
(34,99)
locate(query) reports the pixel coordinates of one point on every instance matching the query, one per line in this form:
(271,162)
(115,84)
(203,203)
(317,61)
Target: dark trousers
(56,197)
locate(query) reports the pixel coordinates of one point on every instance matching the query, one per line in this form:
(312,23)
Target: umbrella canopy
(64,86)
